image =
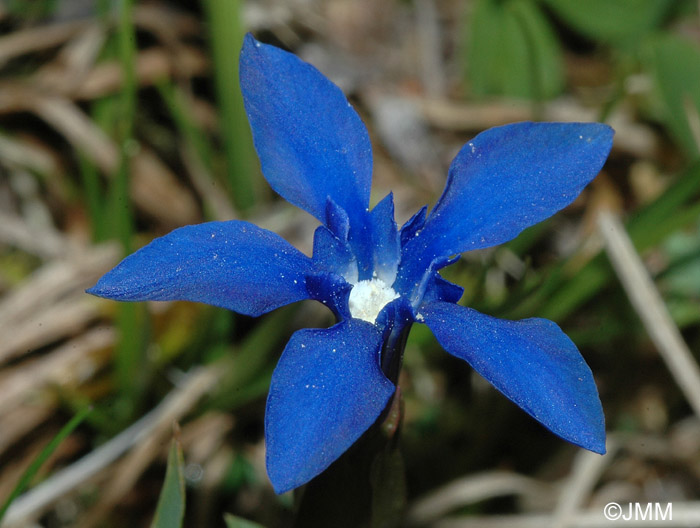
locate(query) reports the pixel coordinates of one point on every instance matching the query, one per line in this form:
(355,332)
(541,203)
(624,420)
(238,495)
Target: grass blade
(233,521)
(34,467)
(170,512)
(226,38)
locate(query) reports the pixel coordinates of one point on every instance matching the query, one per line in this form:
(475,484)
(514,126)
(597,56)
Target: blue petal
(326,391)
(412,226)
(532,362)
(234,265)
(332,290)
(439,289)
(332,255)
(509,178)
(337,220)
(311,143)
(385,241)
(420,282)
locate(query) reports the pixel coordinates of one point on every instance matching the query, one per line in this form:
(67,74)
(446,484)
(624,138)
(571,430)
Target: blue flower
(332,384)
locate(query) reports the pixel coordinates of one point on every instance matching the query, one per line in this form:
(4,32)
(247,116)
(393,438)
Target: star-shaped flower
(331,384)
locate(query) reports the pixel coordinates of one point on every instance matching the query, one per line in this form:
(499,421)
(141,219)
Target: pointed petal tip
(105,290)
(594,441)
(603,129)
(600,131)
(311,142)
(509,178)
(325,392)
(599,448)
(281,483)
(532,362)
(598,442)
(249,41)
(100,289)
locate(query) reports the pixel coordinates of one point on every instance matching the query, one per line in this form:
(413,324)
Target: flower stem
(392,352)
(364,488)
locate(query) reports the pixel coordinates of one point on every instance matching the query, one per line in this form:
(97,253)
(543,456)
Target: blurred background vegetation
(121,120)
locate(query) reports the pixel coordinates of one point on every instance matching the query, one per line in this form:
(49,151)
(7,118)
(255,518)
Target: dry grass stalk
(158,19)
(151,446)
(153,186)
(587,470)
(22,419)
(153,425)
(203,437)
(70,363)
(45,243)
(16,152)
(685,514)
(54,281)
(51,305)
(632,137)
(13,470)
(34,39)
(57,321)
(470,490)
(205,183)
(103,79)
(68,70)
(647,302)
(151,66)
(127,472)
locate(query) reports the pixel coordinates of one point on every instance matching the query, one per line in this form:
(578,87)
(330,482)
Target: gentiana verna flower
(331,384)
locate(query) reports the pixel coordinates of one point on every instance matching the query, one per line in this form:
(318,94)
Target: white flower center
(368,297)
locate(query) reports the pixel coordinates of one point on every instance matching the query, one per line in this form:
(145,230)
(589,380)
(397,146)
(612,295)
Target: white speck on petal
(368,297)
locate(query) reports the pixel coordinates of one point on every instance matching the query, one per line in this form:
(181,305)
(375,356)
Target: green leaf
(170,512)
(233,521)
(544,54)
(513,51)
(45,453)
(611,20)
(675,66)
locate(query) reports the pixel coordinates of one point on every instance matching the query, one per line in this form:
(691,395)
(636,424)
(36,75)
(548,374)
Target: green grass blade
(45,453)
(177,105)
(248,370)
(130,362)
(90,178)
(170,511)
(124,124)
(226,37)
(233,521)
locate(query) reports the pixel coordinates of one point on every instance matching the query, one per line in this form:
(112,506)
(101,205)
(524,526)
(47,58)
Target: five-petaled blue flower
(332,384)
